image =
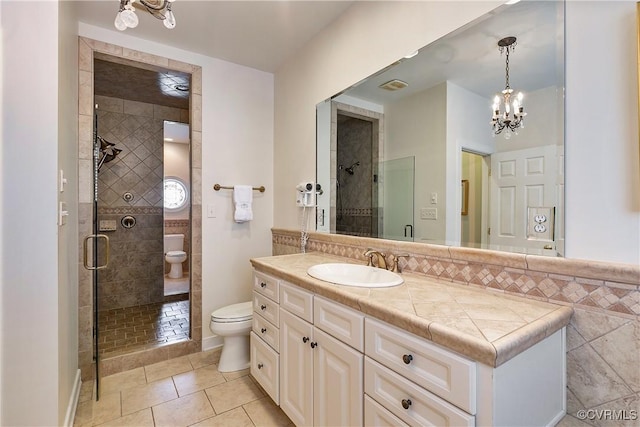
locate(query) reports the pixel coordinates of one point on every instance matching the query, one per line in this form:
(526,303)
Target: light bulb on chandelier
(161,9)
(512,118)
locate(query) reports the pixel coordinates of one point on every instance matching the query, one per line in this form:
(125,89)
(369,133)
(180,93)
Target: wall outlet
(429,213)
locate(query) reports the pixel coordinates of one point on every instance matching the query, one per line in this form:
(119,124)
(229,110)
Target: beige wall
(68,374)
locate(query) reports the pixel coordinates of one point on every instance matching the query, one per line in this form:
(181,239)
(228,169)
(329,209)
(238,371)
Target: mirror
(176,196)
(419,160)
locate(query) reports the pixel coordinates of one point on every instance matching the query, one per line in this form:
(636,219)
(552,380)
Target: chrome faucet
(381,262)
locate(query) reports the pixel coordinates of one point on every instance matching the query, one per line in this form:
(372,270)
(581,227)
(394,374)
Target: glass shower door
(398,205)
(96,249)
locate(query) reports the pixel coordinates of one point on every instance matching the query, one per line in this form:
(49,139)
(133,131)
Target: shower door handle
(410,230)
(86,251)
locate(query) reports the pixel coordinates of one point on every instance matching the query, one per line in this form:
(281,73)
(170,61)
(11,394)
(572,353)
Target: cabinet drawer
(438,370)
(266,285)
(341,322)
(423,408)
(296,301)
(265,330)
(265,367)
(375,415)
(266,308)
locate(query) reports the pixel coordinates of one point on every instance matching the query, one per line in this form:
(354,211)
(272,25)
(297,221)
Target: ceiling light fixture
(161,9)
(512,117)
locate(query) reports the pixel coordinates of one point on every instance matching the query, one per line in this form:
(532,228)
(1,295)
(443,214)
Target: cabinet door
(265,366)
(337,382)
(296,368)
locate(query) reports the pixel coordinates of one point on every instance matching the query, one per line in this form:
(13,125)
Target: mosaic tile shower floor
(129,329)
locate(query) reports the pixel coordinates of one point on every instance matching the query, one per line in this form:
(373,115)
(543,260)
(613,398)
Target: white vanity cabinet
(265,334)
(327,364)
(320,376)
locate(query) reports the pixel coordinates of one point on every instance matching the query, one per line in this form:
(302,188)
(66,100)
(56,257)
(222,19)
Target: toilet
(174,254)
(233,324)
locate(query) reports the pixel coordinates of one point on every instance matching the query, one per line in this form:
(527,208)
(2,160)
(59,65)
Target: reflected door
(398,202)
(521,180)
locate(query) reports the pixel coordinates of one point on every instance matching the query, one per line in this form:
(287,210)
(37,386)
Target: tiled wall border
(592,285)
(87,48)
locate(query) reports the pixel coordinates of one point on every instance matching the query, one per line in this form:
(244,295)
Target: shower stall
(135,105)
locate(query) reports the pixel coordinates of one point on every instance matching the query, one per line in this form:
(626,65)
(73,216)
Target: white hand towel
(242,198)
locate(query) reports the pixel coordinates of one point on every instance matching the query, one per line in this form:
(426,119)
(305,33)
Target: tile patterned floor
(124,330)
(186,391)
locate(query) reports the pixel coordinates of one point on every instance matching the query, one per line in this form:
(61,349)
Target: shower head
(352,167)
(108,151)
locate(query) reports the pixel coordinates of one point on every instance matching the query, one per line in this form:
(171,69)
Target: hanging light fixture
(161,9)
(512,117)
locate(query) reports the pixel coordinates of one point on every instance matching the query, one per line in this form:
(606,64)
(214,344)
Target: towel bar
(218,187)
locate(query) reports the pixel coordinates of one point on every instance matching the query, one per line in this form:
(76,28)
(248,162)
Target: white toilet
(174,254)
(233,324)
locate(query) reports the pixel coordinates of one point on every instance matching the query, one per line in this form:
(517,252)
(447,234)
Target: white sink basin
(355,275)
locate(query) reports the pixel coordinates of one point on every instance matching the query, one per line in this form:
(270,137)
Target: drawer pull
(406,403)
(263,330)
(260,365)
(407,358)
(263,307)
(263,285)
(314,344)
(305,339)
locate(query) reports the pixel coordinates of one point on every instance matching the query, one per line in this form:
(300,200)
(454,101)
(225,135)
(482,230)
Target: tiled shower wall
(135,273)
(603,337)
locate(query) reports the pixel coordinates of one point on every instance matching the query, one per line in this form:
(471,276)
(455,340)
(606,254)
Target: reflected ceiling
(474,47)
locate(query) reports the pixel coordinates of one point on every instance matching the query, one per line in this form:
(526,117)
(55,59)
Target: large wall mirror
(411,152)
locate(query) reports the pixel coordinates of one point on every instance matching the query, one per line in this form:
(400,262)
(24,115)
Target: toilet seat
(176,253)
(233,313)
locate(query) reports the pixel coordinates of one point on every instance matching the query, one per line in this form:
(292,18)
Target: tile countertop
(485,326)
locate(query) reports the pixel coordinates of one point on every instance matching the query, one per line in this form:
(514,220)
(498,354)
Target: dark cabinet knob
(263,285)
(406,403)
(263,330)
(305,339)
(314,344)
(407,358)
(260,365)
(263,307)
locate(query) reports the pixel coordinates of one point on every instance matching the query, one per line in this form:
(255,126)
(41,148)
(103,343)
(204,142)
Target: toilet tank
(173,242)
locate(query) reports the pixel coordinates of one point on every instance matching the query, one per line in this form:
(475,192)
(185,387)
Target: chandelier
(161,9)
(512,117)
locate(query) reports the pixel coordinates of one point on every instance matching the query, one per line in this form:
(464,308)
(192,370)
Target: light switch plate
(211,211)
(429,213)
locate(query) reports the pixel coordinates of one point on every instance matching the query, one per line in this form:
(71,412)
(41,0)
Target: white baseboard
(210,343)
(73,401)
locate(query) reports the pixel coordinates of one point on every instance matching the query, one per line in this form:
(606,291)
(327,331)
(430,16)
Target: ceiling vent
(394,85)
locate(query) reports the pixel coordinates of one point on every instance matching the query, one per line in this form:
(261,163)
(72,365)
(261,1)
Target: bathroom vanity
(425,352)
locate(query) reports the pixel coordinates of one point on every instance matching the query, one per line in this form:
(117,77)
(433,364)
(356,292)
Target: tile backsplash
(603,337)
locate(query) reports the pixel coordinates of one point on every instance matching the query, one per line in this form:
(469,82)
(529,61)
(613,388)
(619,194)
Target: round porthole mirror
(176,194)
